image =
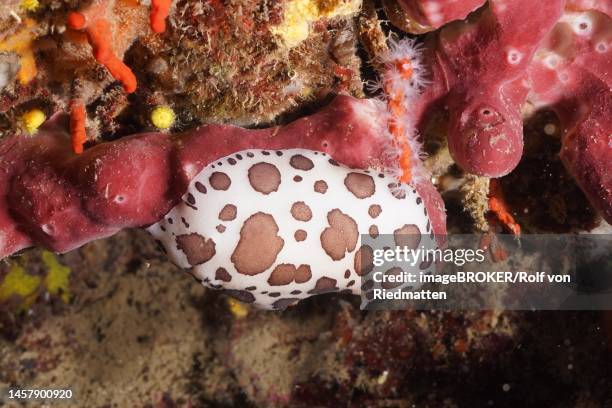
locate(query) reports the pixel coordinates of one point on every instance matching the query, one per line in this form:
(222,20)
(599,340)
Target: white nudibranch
(274,227)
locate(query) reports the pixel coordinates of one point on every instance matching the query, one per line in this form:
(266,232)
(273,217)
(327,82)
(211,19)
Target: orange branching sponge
(159,12)
(498,207)
(100,37)
(77,125)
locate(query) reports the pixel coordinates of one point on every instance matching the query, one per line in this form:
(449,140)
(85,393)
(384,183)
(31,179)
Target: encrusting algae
(21,43)
(27,288)
(29,5)
(300,14)
(57,280)
(19,283)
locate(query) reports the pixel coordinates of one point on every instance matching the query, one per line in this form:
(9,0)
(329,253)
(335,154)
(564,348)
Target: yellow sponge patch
(18,283)
(29,5)
(32,120)
(57,280)
(238,310)
(299,14)
(163,117)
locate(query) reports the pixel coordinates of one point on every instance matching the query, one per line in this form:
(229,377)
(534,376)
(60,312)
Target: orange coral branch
(77,126)
(159,12)
(498,207)
(396,106)
(100,37)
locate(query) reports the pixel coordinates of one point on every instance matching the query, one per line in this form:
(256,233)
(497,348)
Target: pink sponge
(53,198)
(479,77)
(432,14)
(571,75)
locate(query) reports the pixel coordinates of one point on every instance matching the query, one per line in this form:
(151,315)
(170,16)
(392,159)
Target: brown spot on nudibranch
(320,186)
(364,260)
(259,245)
(241,295)
(374,210)
(367,285)
(300,235)
(284,274)
(284,303)
(425,264)
(191,199)
(395,271)
(361,185)
(200,187)
(223,275)
(407,236)
(264,177)
(373,231)
(301,212)
(301,162)
(228,213)
(324,285)
(220,228)
(397,191)
(297,179)
(197,248)
(340,236)
(220,181)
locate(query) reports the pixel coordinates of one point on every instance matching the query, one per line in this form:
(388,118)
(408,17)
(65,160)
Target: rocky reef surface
(514,120)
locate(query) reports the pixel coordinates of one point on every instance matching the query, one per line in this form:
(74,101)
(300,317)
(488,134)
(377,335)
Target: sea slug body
(276,226)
